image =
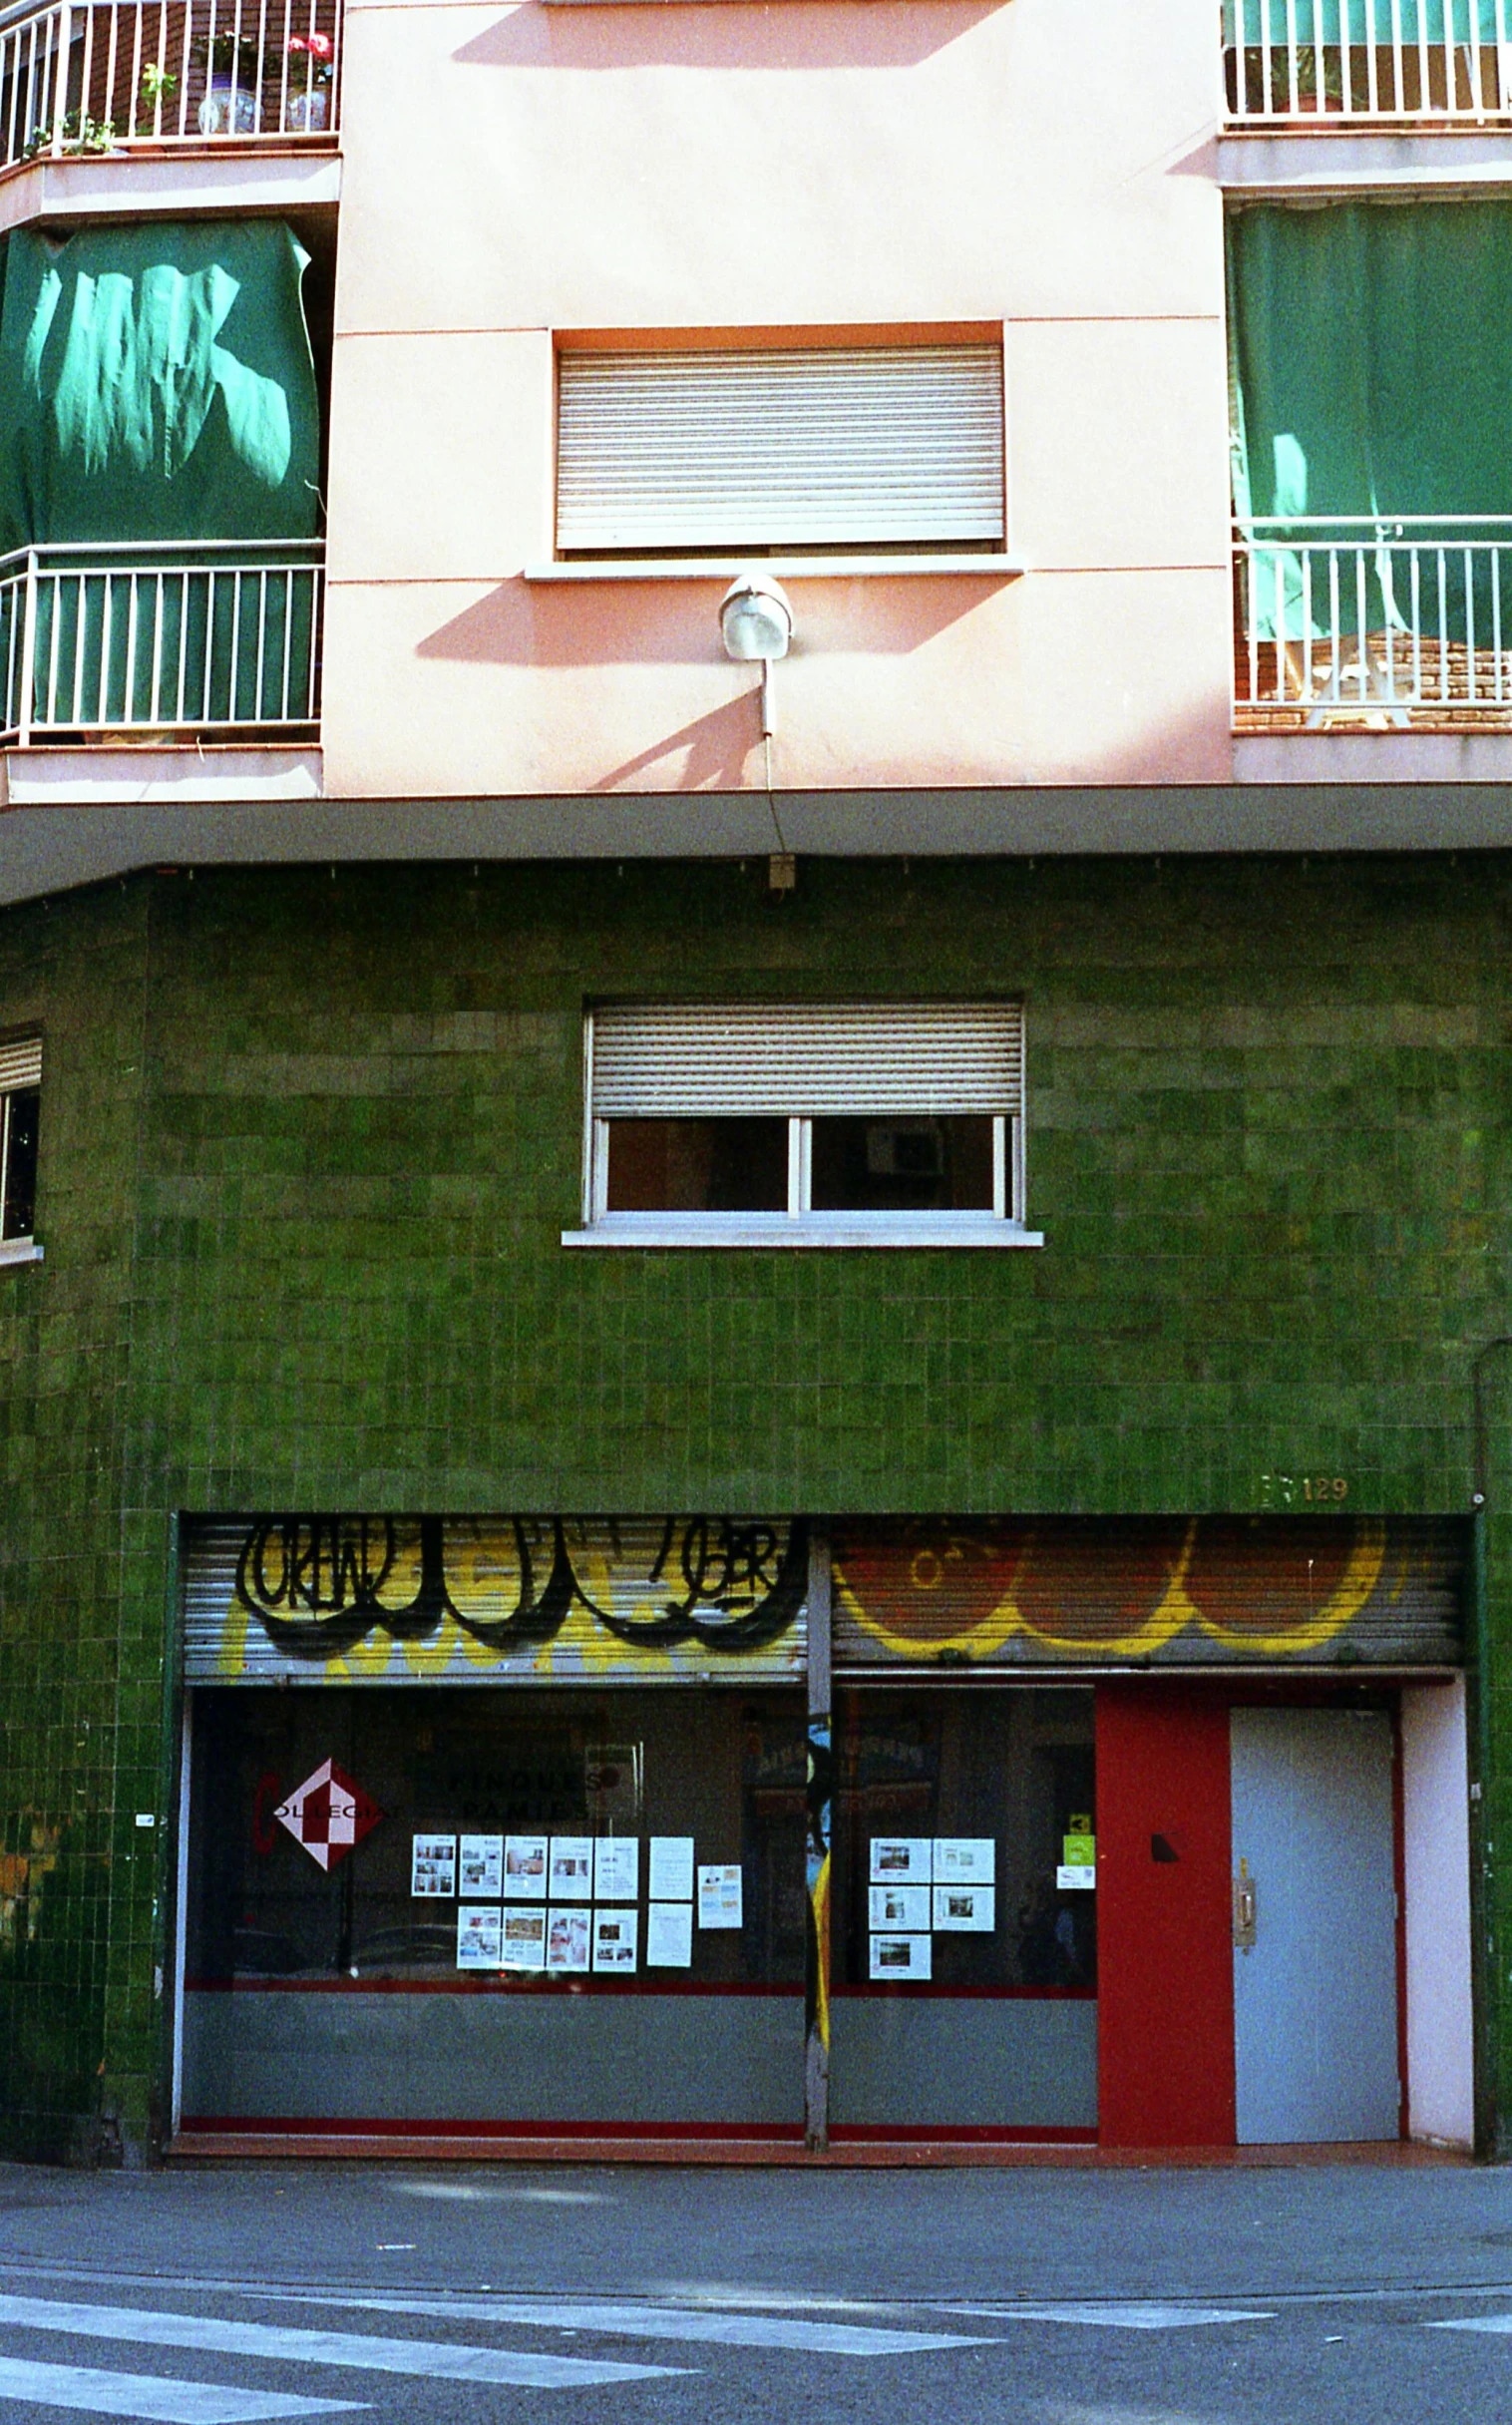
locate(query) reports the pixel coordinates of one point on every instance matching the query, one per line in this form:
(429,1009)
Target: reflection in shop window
(488,1800)
(961,1818)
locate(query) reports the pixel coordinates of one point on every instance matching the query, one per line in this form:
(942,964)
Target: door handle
(1243,1910)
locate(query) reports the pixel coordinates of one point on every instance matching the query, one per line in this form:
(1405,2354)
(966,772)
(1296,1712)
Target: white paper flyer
(480,1866)
(615,1937)
(899,1906)
(525,1868)
(671,1878)
(964,1910)
(900,1957)
(524,1940)
(477,1936)
(572,1868)
(567,1940)
(670,1936)
(720,1895)
(616,1869)
(433,1864)
(965,1860)
(901,1861)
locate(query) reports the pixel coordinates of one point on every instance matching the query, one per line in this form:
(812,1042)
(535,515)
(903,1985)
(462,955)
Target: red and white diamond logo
(328,1815)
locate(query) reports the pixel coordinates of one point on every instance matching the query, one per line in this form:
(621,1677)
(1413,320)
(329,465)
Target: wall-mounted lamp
(756,624)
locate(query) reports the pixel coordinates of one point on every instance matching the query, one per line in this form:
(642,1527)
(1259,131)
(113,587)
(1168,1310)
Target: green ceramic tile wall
(308,1144)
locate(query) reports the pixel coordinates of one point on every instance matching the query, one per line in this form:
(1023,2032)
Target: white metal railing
(1367,59)
(1394,622)
(166,639)
(93,76)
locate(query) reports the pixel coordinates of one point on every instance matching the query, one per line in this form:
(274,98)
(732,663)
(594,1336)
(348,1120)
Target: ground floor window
(502,1906)
(965,1942)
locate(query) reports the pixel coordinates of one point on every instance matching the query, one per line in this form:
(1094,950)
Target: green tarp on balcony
(1370,373)
(1271,23)
(157,383)
(157,387)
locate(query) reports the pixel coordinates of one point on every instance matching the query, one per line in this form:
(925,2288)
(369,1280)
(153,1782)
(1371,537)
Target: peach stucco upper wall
(805,161)
(511,174)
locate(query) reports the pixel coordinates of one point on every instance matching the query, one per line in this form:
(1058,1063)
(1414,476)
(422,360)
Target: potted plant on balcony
(154,99)
(1313,94)
(230,62)
(78,133)
(311,61)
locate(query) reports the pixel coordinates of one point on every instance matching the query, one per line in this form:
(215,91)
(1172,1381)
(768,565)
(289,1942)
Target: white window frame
(800,1225)
(20,1074)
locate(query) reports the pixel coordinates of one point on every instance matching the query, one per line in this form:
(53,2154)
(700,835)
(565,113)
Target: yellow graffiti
(1342,1605)
(232,1656)
(928,1571)
(822,1968)
(1173,1612)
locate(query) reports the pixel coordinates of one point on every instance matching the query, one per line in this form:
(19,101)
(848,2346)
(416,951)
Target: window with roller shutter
(761,450)
(803,1124)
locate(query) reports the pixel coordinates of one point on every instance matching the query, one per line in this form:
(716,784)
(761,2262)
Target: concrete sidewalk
(1287,2231)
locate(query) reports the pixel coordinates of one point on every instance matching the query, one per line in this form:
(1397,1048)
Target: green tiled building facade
(309,1141)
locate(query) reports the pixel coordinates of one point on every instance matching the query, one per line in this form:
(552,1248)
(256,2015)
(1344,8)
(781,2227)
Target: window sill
(775,1229)
(779,568)
(19,1250)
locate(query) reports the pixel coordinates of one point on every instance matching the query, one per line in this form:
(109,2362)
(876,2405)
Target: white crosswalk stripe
(371,2353)
(1123,2315)
(160,2399)
(630,2320)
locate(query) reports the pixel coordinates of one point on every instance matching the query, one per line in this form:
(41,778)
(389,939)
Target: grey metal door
(1314,1994)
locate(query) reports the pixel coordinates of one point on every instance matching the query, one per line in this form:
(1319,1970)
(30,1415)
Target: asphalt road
(577,2296)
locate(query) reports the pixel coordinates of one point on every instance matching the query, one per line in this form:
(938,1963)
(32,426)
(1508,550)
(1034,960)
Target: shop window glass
(1013,1770)
(965,1932)
(723,1769)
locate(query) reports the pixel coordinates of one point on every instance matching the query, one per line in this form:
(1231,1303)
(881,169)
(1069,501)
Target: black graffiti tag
(318,1585)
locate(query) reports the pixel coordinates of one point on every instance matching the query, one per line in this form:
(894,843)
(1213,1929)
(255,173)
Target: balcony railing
(1403,622)
(107,76)
(1365,61)
(173,640)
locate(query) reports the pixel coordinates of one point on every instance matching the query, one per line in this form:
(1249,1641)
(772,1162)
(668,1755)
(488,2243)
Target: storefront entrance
(541,1831)
(1316,2038)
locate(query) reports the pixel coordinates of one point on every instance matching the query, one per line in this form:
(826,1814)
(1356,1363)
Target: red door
(1165,1962)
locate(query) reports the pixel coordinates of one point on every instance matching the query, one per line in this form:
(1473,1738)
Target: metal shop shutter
(21,1064)
(790,449)
(448,1597)
(1085,1593)
(686,1061)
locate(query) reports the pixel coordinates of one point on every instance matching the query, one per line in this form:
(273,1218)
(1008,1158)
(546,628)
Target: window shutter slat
(21,1064)
(789,1060)
(789,448)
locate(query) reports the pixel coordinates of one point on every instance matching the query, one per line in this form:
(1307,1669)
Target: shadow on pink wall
(788,34)
(716,751)
(643,622)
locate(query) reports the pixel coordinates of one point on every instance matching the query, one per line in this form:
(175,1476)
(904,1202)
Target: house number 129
(1302,1490)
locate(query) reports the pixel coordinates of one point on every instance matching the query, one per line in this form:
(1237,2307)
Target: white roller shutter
(21,1064)
(786,449)
(792,1061)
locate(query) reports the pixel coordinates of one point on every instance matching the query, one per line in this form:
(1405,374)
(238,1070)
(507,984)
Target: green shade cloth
(1271,23)
(1370,374)
(182,642)
(157,383)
